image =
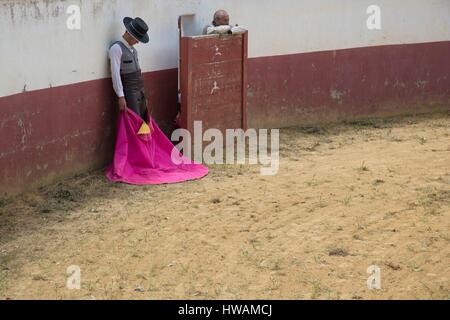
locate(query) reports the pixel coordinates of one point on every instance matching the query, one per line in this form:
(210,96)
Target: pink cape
(146,159)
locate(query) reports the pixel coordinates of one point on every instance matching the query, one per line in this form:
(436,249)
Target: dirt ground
(347,196)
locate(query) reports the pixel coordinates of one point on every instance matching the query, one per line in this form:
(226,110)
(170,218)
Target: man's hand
(122,104)
(238,30)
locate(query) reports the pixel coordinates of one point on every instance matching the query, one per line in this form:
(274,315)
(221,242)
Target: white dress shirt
(211,29)
(115,55)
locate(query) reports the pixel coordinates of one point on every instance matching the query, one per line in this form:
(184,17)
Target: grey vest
(130,61)
(133,82)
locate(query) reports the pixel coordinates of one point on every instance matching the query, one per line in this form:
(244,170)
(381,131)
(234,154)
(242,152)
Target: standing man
(221,25)
(126,72)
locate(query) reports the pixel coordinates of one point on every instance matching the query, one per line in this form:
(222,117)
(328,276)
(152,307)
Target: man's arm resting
(238,30)
(218,30)
(225,30)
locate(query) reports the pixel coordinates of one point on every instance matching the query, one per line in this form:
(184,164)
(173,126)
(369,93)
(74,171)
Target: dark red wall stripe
(343,84)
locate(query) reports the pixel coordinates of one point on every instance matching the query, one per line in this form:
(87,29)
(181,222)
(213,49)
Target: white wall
(38,51)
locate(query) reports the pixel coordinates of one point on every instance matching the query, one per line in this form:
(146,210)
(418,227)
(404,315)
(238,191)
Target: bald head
(221,18)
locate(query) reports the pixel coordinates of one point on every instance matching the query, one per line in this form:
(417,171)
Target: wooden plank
(244,80)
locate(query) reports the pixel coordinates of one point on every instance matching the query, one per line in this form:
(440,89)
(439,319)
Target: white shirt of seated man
(221,25)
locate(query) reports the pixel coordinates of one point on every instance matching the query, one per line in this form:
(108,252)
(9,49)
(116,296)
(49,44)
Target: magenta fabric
(146,159)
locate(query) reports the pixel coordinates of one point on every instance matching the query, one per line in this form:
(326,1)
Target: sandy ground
(347,196)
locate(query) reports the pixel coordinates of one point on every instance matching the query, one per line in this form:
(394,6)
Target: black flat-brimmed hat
(137,28)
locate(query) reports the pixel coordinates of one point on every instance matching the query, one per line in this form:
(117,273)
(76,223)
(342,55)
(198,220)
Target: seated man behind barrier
(221,25)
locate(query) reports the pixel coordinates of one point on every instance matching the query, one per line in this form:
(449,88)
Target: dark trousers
(133,87)
(137,102)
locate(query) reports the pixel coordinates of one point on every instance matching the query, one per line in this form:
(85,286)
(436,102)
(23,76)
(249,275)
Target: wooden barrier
(213,81)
